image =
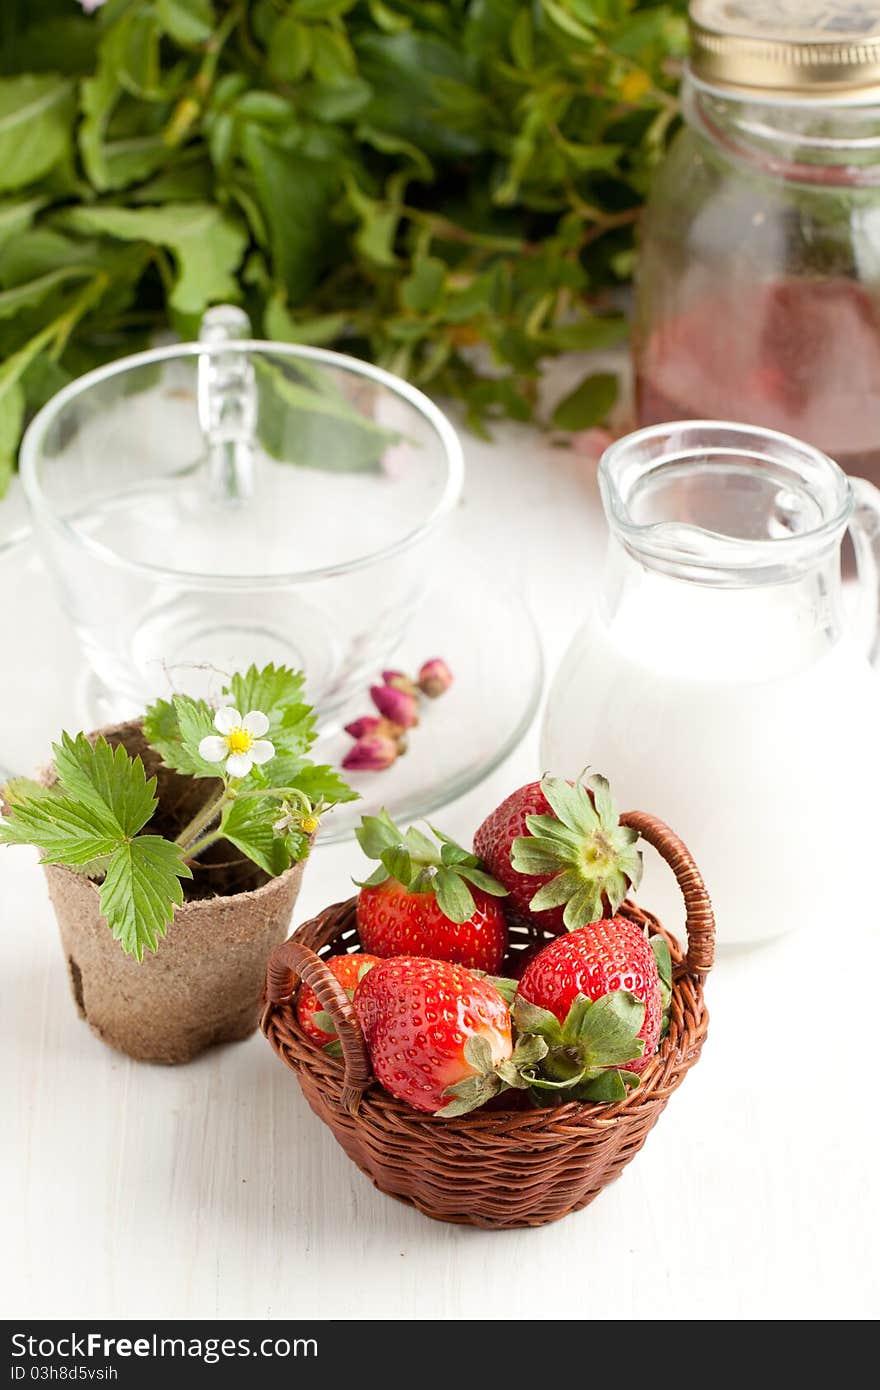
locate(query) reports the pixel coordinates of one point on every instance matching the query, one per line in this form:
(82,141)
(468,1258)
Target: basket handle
(292,961)
(700,922)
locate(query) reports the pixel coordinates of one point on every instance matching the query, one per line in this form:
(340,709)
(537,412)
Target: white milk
(731,715)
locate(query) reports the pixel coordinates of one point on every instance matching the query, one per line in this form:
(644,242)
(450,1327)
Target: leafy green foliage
(401,180)
(583,1058)
(421,866)
(590,856)
(90,820)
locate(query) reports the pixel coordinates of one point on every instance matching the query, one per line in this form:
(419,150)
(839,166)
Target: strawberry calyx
(592,857)
(444,869)
(664,969)
(491,1078)
(585,1056)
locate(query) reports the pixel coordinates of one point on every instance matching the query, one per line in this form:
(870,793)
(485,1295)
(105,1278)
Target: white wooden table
(212,1191)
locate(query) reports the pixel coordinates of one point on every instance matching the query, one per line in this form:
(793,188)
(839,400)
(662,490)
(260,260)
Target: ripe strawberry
(560,851)
(594,961)
(349,971)
(426,900)
(431,1026)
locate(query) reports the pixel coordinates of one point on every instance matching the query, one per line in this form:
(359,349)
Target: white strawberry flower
(91,5)
(238,740)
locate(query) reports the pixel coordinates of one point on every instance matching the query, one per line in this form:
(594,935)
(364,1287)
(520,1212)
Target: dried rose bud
(435,677)
(397,705)
(399,680)
(369,724)
(372,753)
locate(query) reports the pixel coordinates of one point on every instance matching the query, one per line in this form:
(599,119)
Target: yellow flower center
(310,824)
(239,740)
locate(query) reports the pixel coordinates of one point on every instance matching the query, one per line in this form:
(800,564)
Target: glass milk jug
(723,679)
(759,274)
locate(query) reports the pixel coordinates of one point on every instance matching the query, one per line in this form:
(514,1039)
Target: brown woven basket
(502,1166)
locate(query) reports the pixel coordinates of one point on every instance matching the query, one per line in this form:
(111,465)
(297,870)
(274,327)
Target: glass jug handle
(865,531)
(227,404)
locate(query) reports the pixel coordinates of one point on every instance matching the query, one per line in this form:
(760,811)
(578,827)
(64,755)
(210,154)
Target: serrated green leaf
(277,691)
(107,782)
(140,891)
(63,831)
(195,721)
(317,781)
(454,898)
(249,823)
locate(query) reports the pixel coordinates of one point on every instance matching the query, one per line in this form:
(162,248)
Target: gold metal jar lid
(813,49)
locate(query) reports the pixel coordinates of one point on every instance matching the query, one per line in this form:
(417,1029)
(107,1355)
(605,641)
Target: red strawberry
(349,971)
(426,900)
(430,1025)
(560,851)
(594,961)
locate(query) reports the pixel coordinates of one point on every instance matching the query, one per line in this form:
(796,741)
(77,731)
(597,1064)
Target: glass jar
(759,281)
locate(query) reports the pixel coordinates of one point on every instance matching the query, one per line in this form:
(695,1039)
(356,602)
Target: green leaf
(207,245)
(506,988)
(663,958)
(478,1053)
(480,879)
(397,861)
(608,1032)
(63,831)
(421,290)
(588,404)
(375,834)
(107,782)
(27,296)
(605,1088)
(469,1094)
(334,1048)
(530,1018)
(317,781)
(453,896)
(249,824)
(187,21)
(17,215)
(36,125)
(276,691)
(530,1049)
(419,846)
(296,193)
(315,427)
(140,891)
(570,804)
(175,728)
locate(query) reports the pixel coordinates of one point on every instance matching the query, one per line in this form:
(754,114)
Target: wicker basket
(503,1166)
